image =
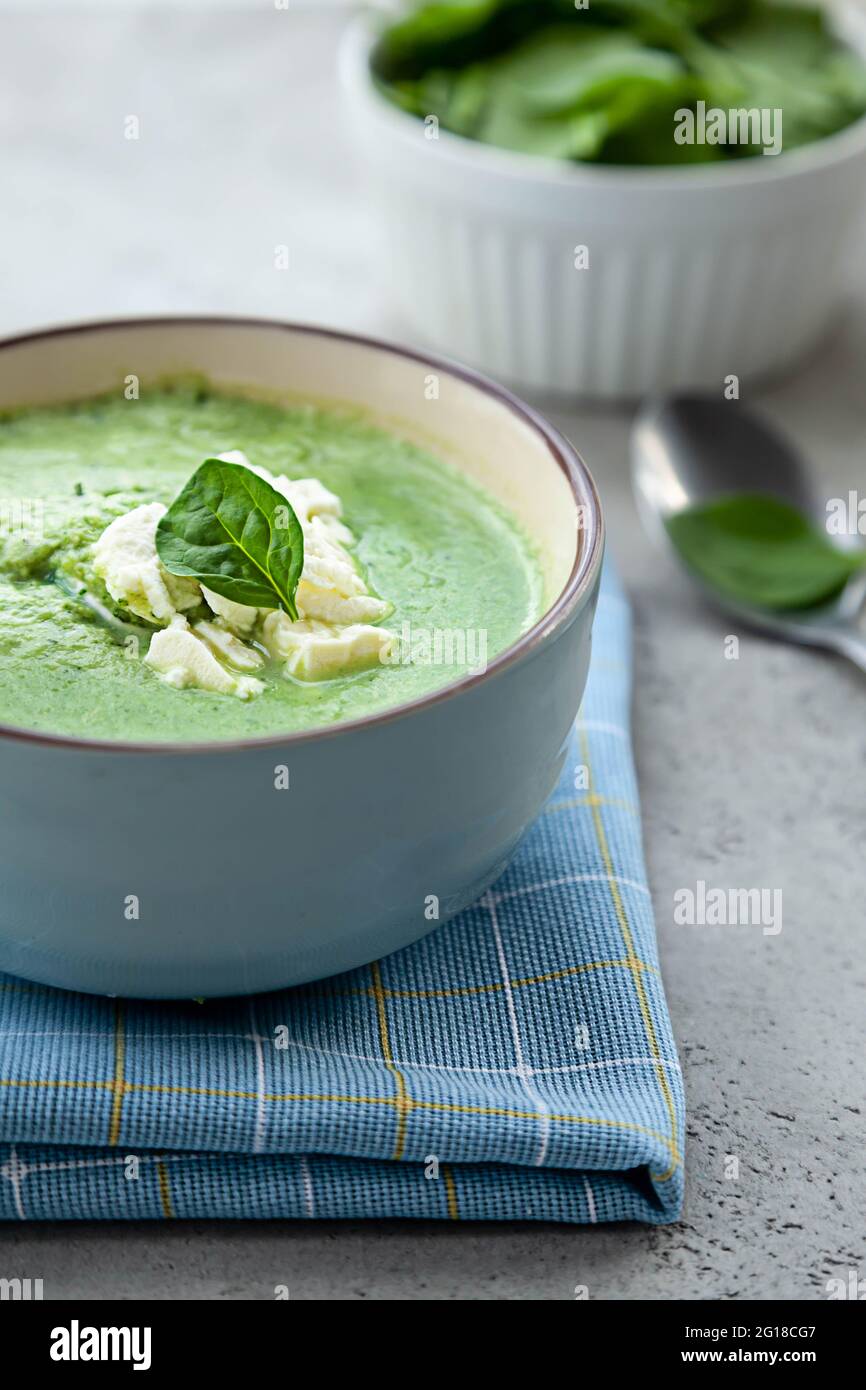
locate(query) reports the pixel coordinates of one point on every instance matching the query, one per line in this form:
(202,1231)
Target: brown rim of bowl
(586,563)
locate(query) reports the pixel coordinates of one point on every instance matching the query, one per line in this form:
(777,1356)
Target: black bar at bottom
(255,1337)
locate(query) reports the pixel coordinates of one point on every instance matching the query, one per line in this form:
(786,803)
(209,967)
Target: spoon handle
(849,642)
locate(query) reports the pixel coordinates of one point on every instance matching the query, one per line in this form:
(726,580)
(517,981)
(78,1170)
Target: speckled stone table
(752,771)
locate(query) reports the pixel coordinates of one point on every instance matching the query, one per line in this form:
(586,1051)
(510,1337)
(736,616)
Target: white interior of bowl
(475,429)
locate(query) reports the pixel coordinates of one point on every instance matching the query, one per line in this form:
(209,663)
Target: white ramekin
(693,274)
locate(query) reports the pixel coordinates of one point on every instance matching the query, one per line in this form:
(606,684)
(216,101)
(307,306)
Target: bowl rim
(474,156)
(584,571)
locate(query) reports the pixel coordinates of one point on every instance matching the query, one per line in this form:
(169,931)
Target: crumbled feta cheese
(328,565)
(226,645)
(125,558)
(317,651)
(310,500)
(313,502)
(334,633)
(331,607)
(182,659)
(239,618)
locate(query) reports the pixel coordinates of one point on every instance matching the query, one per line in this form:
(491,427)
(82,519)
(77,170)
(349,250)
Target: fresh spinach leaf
(784,58)
(237,535)
(568,90)
(453,33)
(759,550)
(605,83)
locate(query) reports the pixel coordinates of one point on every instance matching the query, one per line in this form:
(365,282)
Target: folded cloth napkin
(517,1064)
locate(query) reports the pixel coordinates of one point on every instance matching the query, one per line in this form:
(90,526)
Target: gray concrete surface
(751,771)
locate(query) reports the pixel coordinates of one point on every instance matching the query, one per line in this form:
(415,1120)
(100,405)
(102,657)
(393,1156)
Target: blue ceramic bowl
(388,818)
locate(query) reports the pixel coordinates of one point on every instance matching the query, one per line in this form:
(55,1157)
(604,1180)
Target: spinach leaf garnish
(759,550)
(234,533)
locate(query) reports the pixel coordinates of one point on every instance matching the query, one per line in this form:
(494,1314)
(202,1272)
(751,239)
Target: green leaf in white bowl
(785,57)
(606,82)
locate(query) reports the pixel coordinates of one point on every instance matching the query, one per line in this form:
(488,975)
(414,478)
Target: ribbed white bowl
(693,274)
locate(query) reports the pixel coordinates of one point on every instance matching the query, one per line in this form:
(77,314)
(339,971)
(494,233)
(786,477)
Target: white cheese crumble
(183,659)
(224,644)
(239,617)
(315,651)
(125,558)
(335,632)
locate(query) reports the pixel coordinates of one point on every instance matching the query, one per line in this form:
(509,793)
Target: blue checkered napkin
(517,1064)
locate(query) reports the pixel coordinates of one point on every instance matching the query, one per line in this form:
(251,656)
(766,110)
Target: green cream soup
(459,578)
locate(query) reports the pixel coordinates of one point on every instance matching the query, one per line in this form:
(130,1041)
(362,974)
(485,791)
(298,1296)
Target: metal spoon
(687,450)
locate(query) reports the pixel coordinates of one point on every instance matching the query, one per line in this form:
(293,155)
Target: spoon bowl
(689,450)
